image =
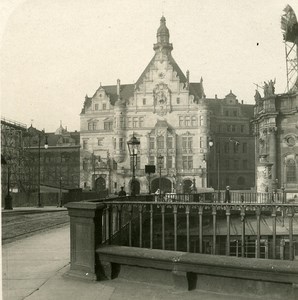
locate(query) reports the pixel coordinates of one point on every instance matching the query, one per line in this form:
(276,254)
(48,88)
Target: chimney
(118,88)
(241,101)
(215,96)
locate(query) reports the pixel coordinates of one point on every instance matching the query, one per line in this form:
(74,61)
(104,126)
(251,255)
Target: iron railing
(239,228)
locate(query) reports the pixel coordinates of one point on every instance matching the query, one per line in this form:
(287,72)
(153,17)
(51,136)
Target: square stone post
(85,237)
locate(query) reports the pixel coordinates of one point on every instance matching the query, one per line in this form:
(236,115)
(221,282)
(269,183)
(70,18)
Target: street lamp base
(8,202)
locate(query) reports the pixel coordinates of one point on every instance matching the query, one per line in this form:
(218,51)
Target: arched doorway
(100,184)
(187,186)
(136,185)
(166,185)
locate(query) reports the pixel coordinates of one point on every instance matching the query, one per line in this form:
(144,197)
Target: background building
(170,116)
(231,160)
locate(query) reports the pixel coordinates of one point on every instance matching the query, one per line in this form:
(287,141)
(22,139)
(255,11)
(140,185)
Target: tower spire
(163,37)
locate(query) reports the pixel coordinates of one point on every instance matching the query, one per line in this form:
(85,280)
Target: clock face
(161,75)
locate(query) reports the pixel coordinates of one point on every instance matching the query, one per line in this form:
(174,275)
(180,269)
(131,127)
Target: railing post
(228,214)
(85,237)
(214,229)
(187,229)
(140,226)
(151,226)
(201,228)
(163,226)
(242,214)
(273,215)
(291,245)
(175,227)
(258,214)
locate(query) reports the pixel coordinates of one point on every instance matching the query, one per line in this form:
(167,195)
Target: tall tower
(289,28)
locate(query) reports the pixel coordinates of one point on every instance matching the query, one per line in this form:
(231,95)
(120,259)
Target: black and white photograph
(149,149)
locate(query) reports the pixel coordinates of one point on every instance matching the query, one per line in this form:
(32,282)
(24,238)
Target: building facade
(231,159)
(167,113)
(276,132)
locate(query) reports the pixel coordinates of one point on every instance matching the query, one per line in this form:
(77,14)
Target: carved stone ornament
(290,140)
(162,99)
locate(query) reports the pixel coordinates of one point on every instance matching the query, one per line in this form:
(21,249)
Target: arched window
(291,171)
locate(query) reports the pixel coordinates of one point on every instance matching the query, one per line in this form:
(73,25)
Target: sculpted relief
(162,99)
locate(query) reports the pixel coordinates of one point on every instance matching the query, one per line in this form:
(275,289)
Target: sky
(54,52)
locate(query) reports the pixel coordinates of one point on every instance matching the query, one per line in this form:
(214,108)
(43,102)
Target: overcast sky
(54,52)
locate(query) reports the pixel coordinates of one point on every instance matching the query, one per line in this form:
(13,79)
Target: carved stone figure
(258,97)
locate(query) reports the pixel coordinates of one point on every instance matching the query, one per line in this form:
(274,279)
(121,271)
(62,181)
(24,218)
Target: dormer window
(104,106)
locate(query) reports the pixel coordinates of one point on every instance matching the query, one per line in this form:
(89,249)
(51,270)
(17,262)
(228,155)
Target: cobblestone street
(19,224)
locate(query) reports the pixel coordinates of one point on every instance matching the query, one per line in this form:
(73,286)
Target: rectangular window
(170,142)
(187,142)
(245,164)
(151,160)
(151,143)
(96,106)
(235,113)
(135,122)
(99,141)
(226,113)
(90,126)
(178,100)
(85,144)
(244,147)
(187,121)
(108,126)
(94,126)
(236,147)
(160,142)
(121,144)
(228,128)
(104,106)
(170,162)
(201,142)
(227,147)
(187,162)
(144,101)
(233,128)
(194,121)
(122,124)
(242,128)
(114,142)
(85,165)
(236,164)
(181,121)
(141,121)
(129,122)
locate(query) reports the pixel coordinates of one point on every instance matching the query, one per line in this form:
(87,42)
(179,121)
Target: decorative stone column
(264,175)
(272,154)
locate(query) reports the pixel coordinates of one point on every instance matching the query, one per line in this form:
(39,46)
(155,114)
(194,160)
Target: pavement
(34,268)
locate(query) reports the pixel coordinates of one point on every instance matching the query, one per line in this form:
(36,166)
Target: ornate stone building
(167,113)
(276,131)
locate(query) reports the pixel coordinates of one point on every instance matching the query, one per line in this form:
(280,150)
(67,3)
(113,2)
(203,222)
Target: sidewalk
(33,209)
(33,269)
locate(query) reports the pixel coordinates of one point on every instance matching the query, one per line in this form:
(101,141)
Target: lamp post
(39,171)
(8,198)
(133,145)
(206,161)
(160,162)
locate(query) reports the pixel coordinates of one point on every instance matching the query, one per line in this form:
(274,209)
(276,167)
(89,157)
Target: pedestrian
(227,195)
(122,193)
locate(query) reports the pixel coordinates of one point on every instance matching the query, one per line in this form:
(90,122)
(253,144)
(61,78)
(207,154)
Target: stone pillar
(272,154)
(264,177)
(85,237)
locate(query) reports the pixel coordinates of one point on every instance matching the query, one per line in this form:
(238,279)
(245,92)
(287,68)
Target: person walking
(227,195)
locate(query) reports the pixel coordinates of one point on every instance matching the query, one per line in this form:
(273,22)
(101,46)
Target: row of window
(231,128)
(96,106)
(191,121)
(177,101)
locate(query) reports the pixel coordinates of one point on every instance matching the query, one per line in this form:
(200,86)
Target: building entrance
(187,186)
(100,184)
(166,185)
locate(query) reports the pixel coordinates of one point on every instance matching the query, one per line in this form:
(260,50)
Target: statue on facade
(269,88)
(265,87)
(258,97)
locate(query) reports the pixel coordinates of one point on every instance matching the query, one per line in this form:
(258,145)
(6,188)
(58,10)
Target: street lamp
(133,145)
(46,146)
(160,163)
(206,161)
